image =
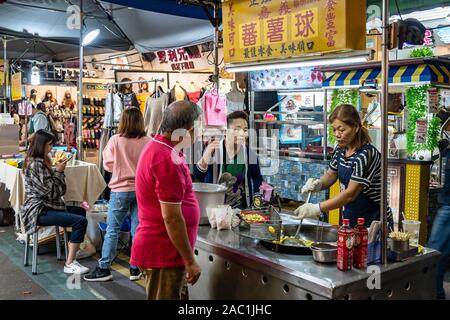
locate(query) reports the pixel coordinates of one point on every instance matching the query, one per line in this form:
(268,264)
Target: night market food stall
(250,260)
(413,83)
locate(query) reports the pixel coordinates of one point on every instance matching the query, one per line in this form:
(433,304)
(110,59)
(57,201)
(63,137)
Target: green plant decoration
(422,52)
(416,101)
(340,96)
(433,130)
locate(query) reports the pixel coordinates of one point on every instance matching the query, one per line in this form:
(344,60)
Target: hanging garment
(129,100)
(114,108)
(142,99)
(178,93)
(154,109)
(235,99)
(235,106)
(214,108)
(194,96)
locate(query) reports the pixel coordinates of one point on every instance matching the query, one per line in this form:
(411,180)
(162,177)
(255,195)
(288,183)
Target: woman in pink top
(120,157)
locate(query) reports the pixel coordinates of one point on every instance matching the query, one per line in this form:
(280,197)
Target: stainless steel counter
(235,267)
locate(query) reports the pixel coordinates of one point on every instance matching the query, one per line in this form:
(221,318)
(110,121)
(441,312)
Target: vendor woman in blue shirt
(357,165)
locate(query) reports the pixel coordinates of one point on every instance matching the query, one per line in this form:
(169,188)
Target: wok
(316,233)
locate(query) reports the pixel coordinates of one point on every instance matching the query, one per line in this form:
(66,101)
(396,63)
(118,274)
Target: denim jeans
(440,241)
(74,217)
(120,204)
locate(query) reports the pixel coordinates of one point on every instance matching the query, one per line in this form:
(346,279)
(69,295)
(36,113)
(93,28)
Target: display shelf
(93,117)
(288,169)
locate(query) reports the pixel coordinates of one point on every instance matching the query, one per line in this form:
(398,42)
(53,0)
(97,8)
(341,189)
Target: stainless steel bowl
(324,252)
(209,196)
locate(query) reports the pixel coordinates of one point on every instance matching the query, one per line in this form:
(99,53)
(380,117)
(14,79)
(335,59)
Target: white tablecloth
(84,183)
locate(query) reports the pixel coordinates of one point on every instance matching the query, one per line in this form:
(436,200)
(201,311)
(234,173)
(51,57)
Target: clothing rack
(110,126)
(112,84)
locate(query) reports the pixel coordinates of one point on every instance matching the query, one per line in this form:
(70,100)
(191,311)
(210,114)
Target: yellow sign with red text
(2,72)
(16,86)
(256,30)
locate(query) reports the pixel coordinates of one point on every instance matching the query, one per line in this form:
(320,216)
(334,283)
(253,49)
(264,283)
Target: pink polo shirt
(162,176)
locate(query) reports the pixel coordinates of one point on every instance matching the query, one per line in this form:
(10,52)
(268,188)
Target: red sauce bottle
(360,248)
(346,236)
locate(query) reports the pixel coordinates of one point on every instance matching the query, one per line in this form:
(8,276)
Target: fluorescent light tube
(87,40)
(297,64)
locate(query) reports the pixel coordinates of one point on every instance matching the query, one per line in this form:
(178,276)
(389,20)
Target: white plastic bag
(223,217)
(211,217)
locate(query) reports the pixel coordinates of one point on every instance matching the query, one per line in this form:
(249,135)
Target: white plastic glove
(308,210)
(312,185)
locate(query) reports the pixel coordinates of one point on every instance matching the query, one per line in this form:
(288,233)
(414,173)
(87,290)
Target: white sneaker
(75,268)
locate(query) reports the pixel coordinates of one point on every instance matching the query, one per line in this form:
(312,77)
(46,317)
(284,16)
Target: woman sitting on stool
(44,206)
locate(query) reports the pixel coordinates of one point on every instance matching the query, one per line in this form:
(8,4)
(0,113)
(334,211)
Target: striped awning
(414,73)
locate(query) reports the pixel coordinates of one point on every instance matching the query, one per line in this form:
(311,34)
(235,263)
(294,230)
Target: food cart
(408,179)
(236,267)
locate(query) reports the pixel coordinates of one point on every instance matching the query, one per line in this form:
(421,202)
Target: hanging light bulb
(35,76)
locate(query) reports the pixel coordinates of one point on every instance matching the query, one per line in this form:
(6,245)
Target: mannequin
(143,94)
(49,101)
(68,102)
(34,100)
(235,98)
(178,93)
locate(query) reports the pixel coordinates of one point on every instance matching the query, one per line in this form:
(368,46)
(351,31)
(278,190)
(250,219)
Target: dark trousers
(74,217)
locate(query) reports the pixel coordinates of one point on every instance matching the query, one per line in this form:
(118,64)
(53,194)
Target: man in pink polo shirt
(168,209)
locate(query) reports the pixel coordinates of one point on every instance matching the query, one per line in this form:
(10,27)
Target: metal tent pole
(216,46)
(80,90)
(5,75)
(325,126)
(384,132)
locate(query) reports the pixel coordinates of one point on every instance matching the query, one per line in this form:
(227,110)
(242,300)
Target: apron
(362,206)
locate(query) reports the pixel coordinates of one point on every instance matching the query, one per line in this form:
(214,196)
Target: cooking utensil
(301,221)
(298,248)
(324,253)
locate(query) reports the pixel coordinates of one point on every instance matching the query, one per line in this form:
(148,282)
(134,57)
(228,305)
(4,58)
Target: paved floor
(17,282)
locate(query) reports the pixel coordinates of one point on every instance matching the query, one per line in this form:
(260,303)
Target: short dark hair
(179,115)
(236,115)
(40,106)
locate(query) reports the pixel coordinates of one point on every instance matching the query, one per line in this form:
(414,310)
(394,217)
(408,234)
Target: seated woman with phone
(44,205)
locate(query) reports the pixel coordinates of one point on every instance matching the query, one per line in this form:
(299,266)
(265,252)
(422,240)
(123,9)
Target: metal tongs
(308,197)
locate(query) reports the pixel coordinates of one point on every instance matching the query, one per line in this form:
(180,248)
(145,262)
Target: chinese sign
(2,72)
(178,59)
(96,87)
(257,30)
(433,100)
(16,86)
(421,131)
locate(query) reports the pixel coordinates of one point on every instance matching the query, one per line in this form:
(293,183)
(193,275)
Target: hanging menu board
(433,100)
(421,131)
